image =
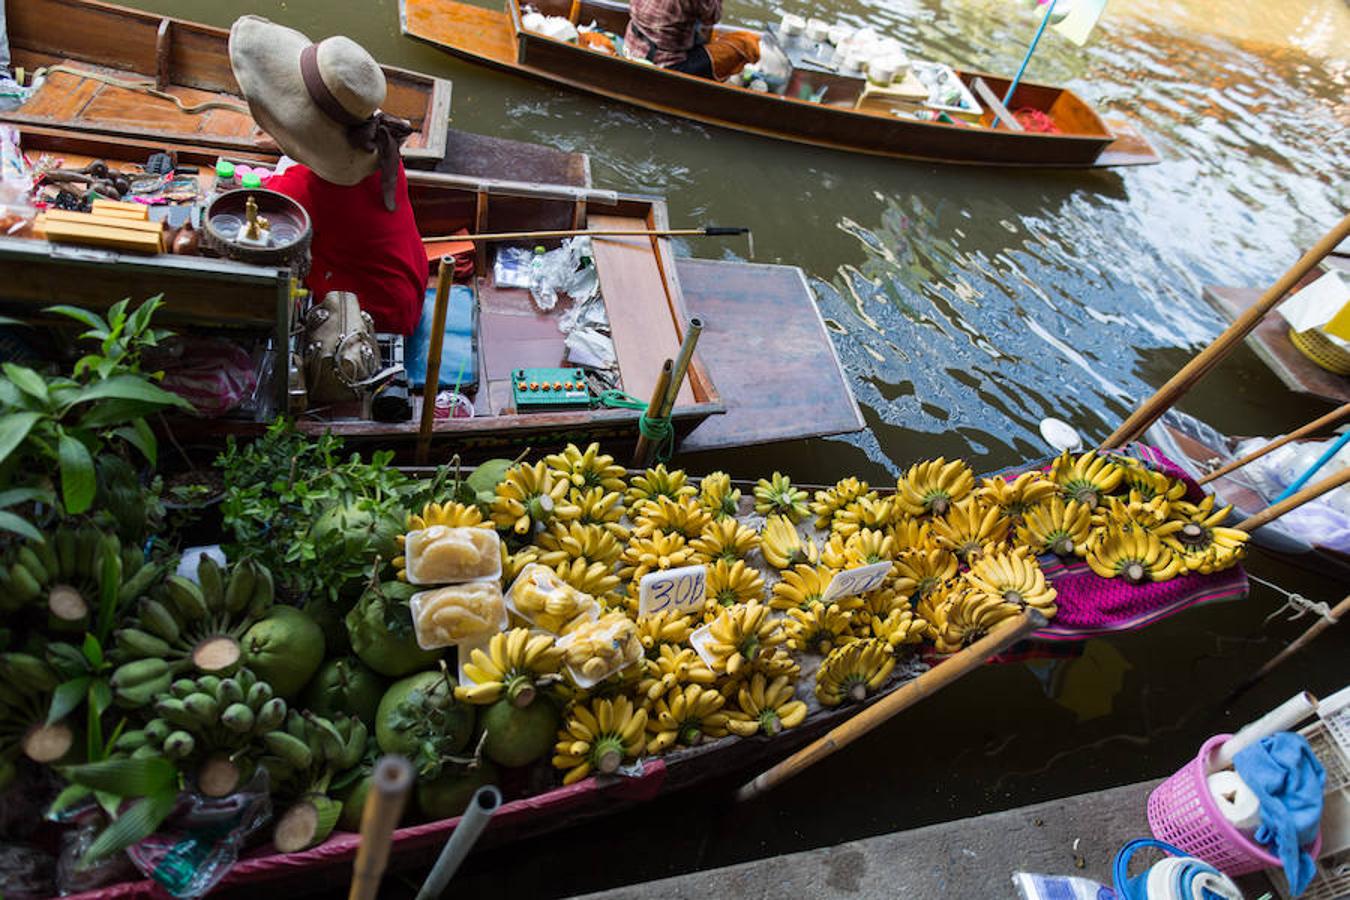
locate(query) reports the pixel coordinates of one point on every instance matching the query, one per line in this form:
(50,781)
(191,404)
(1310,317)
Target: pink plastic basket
(1181,811)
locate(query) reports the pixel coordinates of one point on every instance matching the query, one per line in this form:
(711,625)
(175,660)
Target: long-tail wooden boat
(82,41)
(499,40)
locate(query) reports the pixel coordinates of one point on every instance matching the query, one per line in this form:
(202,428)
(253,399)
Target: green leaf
(14,427)
(93,650)
(117,412)
(138,822)
(129,387)
(27,380)
(6,320)
(77,475)
(93,320)
(18,525)
(72,794)
(139,435)
(100,697)
(15,496)
(66,697)
(125,777)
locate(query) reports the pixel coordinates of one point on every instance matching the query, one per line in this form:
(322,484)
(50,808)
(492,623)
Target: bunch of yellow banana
(908,533)
(451,515)
(673,667)
(1016,497)
(725,539)
(1149,483)
(516,664)
(587,469)
(598,736)
(853,671)
(730,584)
(514,563)
(657,482)
(596,507)
(900,627)
(526,497)
(970,528)
(779,497)
(801,587)
(684,517)
(598,649)
(968,616)
(819,628)
(1134,554)
(865,512)
(740,635)
(669,626)
(1013,576)
(1131,510)
(657,552)
(594,578)
(932,487)
(827,503)
(882,602)
(563,543)
(918,573)
(765,706)
(1056,527)
(1198,537)
(686,715)
(783,546)
(1086,478)
(933,606)
(718,497)
(863,548)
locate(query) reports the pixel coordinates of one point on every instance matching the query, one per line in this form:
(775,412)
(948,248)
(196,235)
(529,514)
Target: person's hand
(264,141)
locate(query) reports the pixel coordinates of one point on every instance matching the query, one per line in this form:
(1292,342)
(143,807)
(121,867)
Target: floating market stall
(918,111)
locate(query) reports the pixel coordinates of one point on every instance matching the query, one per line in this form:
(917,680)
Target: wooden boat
(188,60)
(499,40)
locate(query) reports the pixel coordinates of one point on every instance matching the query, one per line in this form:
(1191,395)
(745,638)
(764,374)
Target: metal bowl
(290,226)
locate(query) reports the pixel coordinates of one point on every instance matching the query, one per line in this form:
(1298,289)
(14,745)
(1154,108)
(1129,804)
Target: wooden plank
(769,353)
(1271,342)
(1001,114)
(60,98)
(96,234)
(639,313)
(104,220)
(486,33)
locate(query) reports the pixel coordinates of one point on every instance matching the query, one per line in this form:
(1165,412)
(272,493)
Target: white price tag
(856,581)
(685,588)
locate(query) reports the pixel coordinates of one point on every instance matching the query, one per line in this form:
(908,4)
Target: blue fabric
(458,352)
(1289,781)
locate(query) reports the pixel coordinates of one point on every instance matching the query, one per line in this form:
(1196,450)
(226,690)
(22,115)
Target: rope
(660,431)
(145,87)
(1298,604)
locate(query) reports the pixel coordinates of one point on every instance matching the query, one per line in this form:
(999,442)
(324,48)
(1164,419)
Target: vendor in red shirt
(320,103)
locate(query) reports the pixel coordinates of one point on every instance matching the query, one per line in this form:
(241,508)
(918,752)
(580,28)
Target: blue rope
(660,431)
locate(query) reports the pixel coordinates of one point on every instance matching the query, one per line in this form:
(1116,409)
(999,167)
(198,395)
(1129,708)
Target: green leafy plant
(65,423)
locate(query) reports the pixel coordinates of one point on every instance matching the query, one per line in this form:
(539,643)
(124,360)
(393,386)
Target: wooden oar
(1313,427)
(1303,640)
(1312,492)
(445,276)
(390,784)
(1167,395)
(930,682)
(706,231)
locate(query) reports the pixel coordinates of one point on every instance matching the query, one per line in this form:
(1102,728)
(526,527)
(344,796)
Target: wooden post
(1313,427)
(574,14)
(642,453)
(445,276)
(1303,640)
(1167,395)
(392,781)
(977,654)
(1312,492)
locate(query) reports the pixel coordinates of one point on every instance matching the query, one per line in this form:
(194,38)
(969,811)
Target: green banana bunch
(67,572)
(26,685)
(197,624)
(307,755)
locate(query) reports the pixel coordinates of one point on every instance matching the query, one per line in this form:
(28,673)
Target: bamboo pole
(1167,395)
(930,682)
(708,231)
(1312,492)
(642,453)
(574,14)
(682,359)
(392,781)
(1303,640)
(444,277)
(1313,427)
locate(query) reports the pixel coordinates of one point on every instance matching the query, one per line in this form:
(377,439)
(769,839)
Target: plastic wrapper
(443,555)
(596,650)
(458,614)
(547,602)
(215,375)
(26,872)
(71,879)
(1031,886)
(1325,520)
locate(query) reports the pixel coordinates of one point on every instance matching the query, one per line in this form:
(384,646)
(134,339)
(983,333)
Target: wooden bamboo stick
(930,682)
(574,14)
(1312,492)
(1303,640)
(1313,427)
(1167,395)
(392,781)
(445,276)
(642,453)
(692,329)
(709,231)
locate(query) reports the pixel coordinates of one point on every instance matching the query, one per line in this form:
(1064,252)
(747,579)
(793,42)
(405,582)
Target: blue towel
(459,355)
(1288,780)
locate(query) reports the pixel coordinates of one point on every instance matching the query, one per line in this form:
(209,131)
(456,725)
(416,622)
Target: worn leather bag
(342,356)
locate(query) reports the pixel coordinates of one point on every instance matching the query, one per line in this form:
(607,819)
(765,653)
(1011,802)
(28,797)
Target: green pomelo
(284,649)
(448,795)
(344,685)
(354,803)
(422,708)
(392,654)
(518,735)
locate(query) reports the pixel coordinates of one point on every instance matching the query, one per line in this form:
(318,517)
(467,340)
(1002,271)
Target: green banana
(173,709)
(295,726)
(209,684)
(205,707)
(129,741)
(331,742)
(264,592)
(290,749)
(157,730)
(158,620)
(187,597)
(86,549)
(29,558)
(239,591)
(259,694)
(179,745)
(132,558)
(271,715)
(136,643)
(25,586)
(229,691)
(355,747)
(138,583)
(140,671)
(238,718)
(182,687)
(138,695)
(46,553)
(246,679)
(28,673)
(66,551)
(212,581)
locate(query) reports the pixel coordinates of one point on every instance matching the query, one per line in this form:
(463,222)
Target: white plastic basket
(1329,737)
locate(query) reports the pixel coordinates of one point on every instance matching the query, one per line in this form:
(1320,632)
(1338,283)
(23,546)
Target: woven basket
(1322,350)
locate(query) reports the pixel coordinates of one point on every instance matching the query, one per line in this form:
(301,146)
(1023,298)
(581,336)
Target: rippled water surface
(967,305)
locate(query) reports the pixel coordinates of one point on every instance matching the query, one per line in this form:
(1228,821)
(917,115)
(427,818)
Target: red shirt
(360,246)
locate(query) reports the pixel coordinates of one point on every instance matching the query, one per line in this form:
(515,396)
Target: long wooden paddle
(706,231)
(390,784)
(935,679)
(1312,427)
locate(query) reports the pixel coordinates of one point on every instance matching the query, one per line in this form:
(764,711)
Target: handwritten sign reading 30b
(856,581)
(685,588)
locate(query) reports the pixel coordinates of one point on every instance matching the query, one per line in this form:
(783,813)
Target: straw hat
(266,62)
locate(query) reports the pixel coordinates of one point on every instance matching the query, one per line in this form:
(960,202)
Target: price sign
(856,581)
(685,588)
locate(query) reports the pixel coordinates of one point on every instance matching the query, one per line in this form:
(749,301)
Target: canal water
(968,304)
